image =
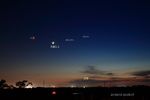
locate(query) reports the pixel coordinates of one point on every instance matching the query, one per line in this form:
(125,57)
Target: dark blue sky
(118,40)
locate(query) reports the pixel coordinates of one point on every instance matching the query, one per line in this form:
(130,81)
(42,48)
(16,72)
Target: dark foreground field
(114,93)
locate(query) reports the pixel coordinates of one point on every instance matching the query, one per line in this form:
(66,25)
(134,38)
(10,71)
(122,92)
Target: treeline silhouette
(138,92)
(19,84)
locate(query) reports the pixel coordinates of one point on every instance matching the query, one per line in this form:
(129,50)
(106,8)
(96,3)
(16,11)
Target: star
(53,45)
(53,42)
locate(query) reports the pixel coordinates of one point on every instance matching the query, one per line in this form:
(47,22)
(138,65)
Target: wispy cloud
(96,77)
(145,74)
(99,78)
(92,70)
(90,82)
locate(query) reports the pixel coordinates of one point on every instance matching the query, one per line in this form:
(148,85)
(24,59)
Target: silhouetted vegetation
(23,84)
(3,84)
(138,92)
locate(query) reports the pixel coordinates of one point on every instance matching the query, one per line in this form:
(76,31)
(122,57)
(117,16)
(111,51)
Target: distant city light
(72,86)
(29,86)
(85,78)
(53,86)
(84,86)
(75,93)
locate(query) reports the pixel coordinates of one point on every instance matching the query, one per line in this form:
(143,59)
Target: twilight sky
(105,40)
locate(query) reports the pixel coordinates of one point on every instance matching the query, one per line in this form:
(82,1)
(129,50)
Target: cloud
(145,74)
(142,77)
(90,82)
(104,78)
(114,81)
(110,74)
(91,70)
(96,77)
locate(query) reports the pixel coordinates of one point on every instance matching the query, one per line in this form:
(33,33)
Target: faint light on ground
(72,86)
(54,93)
